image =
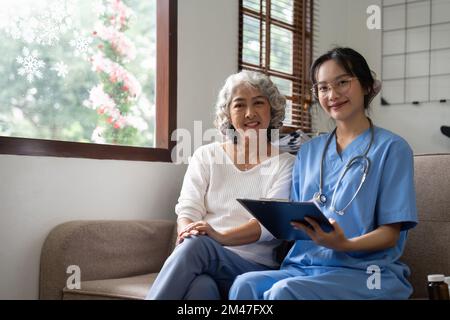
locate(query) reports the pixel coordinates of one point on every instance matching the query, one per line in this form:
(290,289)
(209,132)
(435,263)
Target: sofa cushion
(426,250)
(134,288)
(427,253)
(103,249)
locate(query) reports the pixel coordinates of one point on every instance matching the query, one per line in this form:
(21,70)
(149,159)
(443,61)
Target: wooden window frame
(302,56)
(166,98)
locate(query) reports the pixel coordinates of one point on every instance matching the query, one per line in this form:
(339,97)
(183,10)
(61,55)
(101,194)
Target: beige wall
(37,193)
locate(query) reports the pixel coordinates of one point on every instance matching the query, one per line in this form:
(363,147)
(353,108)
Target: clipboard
(276,216)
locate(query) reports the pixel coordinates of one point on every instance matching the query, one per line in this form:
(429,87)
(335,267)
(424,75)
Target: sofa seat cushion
(134,288)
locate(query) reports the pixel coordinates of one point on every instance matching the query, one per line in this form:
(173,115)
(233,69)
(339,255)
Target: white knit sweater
(210,188)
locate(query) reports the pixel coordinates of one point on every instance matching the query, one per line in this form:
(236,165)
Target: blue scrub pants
(199,268)
(326,284)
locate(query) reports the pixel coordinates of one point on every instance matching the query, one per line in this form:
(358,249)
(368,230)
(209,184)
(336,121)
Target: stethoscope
(319,197)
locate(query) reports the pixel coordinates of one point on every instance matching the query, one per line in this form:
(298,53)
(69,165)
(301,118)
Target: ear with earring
(376,87)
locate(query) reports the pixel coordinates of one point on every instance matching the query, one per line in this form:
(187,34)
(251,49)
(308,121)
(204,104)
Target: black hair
(353,63)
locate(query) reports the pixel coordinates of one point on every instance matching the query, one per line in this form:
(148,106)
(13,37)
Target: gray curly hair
(257,80)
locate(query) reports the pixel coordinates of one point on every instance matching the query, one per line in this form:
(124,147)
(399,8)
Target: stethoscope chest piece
(320,198)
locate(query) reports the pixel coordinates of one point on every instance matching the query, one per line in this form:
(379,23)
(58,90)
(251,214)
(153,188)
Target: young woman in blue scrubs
(371,215)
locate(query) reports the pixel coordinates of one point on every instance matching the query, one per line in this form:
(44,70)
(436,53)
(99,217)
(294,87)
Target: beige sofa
(120,259)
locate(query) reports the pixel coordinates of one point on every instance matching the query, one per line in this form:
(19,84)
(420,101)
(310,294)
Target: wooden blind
(275,37)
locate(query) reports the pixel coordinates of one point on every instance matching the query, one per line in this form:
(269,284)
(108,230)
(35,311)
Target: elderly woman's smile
(252,124)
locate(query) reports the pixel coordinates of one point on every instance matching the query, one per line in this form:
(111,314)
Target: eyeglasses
(341,86)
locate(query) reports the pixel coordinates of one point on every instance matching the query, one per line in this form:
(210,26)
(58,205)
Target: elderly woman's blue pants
(199,268)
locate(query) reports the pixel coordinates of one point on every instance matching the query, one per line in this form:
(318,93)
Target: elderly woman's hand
(199,228)
(204,228)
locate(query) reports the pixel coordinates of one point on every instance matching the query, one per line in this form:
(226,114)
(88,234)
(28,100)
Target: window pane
(77,70)
(283,10)
(285,86)
(281,49)
(252,4)
(251,49)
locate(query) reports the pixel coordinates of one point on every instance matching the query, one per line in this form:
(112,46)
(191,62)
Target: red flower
(101,110)
(110,120)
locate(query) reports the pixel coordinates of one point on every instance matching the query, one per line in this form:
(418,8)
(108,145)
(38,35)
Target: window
(275,37)
(88,79)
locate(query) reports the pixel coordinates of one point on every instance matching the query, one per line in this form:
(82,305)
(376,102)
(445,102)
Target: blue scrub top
(387,196)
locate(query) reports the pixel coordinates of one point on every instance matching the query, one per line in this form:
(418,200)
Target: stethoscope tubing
(319,196)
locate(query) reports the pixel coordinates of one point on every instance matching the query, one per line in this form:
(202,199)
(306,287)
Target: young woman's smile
(337,105)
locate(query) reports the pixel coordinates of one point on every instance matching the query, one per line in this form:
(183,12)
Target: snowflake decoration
(28,29)
(81,45)
(61,69)
(61,13)
(42,24)
(61,10)
(49,33)
(30,64)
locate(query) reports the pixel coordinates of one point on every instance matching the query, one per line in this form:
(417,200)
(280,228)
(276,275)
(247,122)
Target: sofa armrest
(103,250)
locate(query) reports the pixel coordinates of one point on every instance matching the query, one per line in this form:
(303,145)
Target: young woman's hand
(383,237)
(335,239)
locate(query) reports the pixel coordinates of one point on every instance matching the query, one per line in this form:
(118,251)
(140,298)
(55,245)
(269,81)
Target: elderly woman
(217,239)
